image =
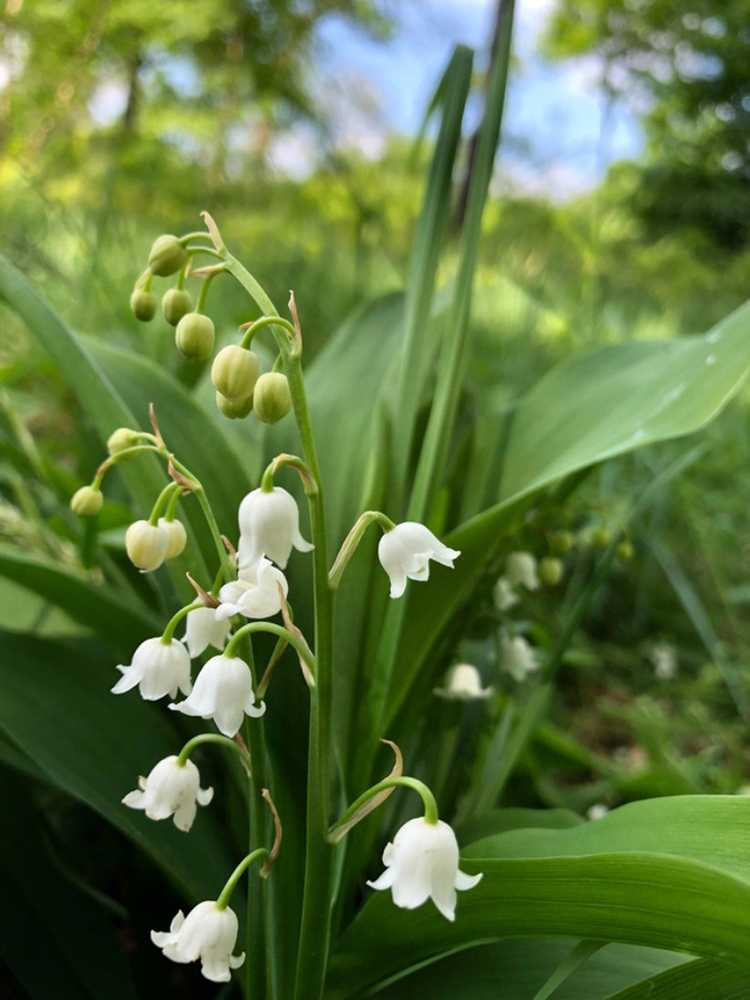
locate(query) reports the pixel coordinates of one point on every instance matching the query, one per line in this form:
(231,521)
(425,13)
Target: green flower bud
(235,409)
(601,537)
(167,256)
(235,372)
(175,304)
(560,542)
(625,550)
(146,545)
(143,304)
(122,438)
(87,501)
(550,571)
(176,537)
(195,336)
(271,398)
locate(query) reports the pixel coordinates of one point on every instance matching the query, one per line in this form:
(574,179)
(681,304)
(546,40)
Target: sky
(553,128)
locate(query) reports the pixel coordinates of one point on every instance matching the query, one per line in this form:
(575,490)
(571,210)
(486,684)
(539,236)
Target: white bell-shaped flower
(255,594)
(208,933)
(519,657)
(158,668)
(223,692)
(504,594)
(405,552)
(520,569)
(269,526)
(204,629)
(422,863)
(171,789)
(464,683)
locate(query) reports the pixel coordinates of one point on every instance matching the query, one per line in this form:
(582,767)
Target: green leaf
(668,873)
(55,939)
(120,622)
(704,979)
(501,820)
(57,708)
(514,970)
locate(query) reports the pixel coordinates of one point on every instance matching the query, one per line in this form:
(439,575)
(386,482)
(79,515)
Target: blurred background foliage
(655,692)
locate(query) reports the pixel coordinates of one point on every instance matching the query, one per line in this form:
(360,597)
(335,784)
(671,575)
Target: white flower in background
(464,683)
(204,629)
(269,526)
(171,789)
(597,811)
(146,545)
(405,552)
(422,863)
(223,692)
(158,668)
(664,660)
(255,594)
(504,594)
(520,569)
(519,657)
(207,933)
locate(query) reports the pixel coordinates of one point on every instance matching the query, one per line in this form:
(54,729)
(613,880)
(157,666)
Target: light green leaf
(704,979)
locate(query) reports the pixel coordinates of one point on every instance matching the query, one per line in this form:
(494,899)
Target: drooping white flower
(422,863)
(520,569)
(158,668)
(504,594)
(176,537)
(464,683)
(664,660)
(405,552)
(171,789)
(269,526)
(255,594)
(207,933)
(223,692)
(519,657)
(204,629)
(146,545)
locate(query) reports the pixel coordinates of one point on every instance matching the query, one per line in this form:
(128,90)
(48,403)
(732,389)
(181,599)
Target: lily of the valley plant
(247,596)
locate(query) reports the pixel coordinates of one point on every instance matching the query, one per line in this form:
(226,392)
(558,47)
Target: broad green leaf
(703,979)
(665,873)
(633,898)
(514,970)
(57,708)
(121,623)
(594,407)
(58,942)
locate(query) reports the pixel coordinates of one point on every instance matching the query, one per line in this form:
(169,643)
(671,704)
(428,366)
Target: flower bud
(122,438)
(235,372)
(601,537)
(176,537)
(550,571)
(235,409)
(560,542)
(87,501)
(167,256)
(625,550)
(175,304)
(195,336)
(143,304)
(271,398)
(146,545)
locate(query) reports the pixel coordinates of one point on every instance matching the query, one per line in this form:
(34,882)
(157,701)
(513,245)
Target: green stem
(171,507)
(202,738)
(261,324)
(176,618)
(430,805)
(247,630)
(315,926)
(226,893)
(160,502)
(200,305)
(351,542)
(208,514)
